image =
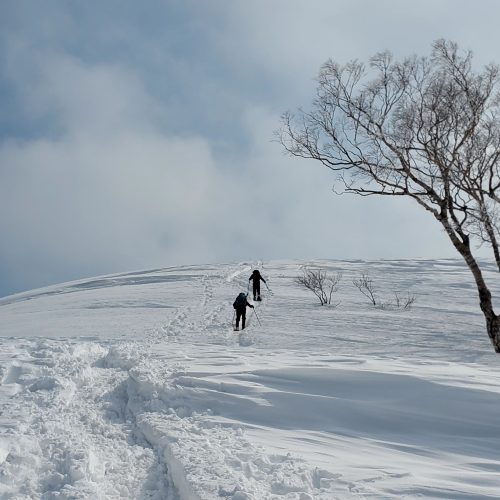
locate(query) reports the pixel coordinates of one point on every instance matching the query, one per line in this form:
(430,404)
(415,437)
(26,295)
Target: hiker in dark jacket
(256,277)
(240,304)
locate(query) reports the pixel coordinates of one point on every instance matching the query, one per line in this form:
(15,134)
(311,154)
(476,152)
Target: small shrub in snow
(320,283)
(366,286)
(404,302)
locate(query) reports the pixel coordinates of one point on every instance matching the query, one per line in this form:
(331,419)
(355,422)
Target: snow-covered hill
(135,386)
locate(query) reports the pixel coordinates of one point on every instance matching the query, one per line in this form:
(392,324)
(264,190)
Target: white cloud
(311,221)
(105,186)
(112,190)
(288,40)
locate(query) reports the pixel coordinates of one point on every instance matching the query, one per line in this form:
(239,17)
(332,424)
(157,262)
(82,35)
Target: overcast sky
(136,135)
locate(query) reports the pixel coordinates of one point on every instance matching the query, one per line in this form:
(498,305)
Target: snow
(135,386)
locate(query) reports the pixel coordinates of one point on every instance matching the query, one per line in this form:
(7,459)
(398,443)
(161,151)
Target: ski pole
(257,316)
(250,317)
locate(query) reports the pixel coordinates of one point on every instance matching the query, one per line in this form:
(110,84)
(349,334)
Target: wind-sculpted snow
(135,386)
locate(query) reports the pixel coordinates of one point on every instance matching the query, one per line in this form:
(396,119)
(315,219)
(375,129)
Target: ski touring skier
(256,277)
(240,305)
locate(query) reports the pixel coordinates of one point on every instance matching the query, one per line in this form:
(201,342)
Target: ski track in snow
(73,437)
(135,386)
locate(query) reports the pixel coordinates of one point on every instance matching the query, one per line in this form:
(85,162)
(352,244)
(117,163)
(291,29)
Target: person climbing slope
(256,277)
(240,304)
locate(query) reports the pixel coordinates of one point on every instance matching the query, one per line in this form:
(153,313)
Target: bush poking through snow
(320,283)
(404,302)
(366,286)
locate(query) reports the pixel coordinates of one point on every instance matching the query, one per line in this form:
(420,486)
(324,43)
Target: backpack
(241,301)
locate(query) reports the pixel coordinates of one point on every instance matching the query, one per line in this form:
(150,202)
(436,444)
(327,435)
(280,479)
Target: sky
(137,135)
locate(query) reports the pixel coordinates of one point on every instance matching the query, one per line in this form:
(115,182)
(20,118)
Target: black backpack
(241,301)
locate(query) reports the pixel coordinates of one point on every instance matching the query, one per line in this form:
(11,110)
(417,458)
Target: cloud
(141,138)
(309,220)
(110,191)
(283,43)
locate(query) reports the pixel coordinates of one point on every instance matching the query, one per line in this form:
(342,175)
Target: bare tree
(365,285)
(425,127)
(320,283)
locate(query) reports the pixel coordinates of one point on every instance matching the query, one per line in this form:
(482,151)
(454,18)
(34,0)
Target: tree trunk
(493,327)
(492,239)
(485,302)
(492,320)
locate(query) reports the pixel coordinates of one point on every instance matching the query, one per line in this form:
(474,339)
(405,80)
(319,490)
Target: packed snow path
(135,386)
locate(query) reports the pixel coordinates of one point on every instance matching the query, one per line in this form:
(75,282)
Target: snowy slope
(135,386)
